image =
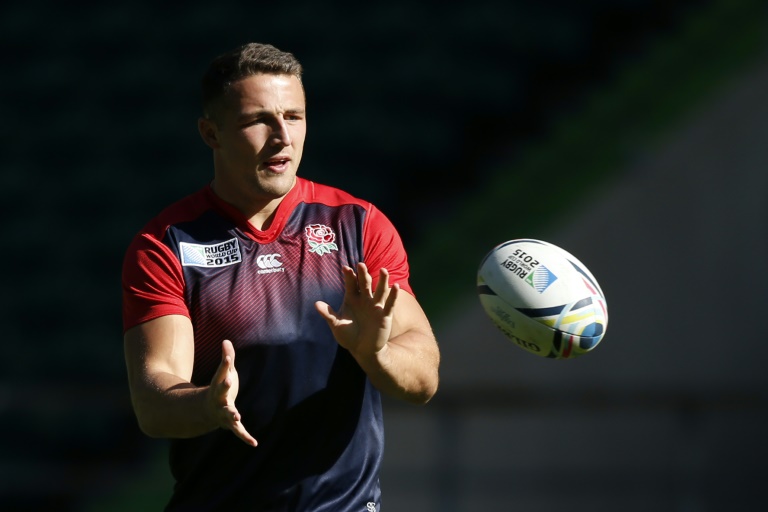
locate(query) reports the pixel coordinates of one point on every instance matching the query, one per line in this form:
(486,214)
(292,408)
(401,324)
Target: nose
(280,134)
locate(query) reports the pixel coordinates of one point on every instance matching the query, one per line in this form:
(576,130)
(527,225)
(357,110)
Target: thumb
(227,362)
(326,311)
(227,349)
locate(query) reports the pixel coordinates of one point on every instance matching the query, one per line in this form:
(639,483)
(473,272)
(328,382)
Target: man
(264,314)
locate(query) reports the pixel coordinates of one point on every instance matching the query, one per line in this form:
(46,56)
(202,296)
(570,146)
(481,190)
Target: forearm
(166,406)
(406,368)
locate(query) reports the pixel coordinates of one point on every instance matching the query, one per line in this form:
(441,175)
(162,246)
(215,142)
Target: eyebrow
(257,113)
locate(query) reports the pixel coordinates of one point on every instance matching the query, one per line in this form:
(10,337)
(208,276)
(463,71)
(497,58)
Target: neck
(262,219)
(260,211)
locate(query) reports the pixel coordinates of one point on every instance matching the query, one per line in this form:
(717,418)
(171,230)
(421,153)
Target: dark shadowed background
(467,123)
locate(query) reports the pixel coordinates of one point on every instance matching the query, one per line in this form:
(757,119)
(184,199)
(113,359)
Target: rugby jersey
(307,402)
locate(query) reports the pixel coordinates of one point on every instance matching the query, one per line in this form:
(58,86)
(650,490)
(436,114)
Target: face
(257,134)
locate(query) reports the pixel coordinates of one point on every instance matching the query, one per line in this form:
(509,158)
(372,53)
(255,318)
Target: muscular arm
(388,334)
(159,356)
(406,367)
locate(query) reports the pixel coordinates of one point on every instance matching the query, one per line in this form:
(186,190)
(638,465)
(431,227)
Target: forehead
(267,91)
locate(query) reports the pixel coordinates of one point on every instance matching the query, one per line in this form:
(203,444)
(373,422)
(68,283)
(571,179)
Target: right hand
(222,393)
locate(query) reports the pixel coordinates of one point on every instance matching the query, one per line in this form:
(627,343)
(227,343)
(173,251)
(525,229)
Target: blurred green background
(446,115)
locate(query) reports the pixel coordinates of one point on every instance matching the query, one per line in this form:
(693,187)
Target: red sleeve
(383,248)
(153,283)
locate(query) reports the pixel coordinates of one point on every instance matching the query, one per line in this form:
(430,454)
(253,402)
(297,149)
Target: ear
(208,132)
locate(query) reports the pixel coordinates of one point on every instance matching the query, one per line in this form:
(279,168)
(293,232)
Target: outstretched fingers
(233,421)
(327,312)
(389,304)
(222,382)
(239,430)
(224,388)
(364,280)
(382,287)
(350,281)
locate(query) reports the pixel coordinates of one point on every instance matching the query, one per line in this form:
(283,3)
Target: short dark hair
(244,61)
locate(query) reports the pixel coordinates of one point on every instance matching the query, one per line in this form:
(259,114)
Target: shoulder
(186,209)
(315,193)
(312,192)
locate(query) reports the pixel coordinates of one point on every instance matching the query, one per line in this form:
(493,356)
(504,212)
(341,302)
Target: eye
(293,116)
(254,121)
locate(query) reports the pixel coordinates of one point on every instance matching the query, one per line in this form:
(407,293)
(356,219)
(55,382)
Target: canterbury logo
(267,261)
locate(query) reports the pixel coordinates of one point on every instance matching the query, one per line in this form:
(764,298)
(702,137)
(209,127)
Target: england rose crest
(321,239)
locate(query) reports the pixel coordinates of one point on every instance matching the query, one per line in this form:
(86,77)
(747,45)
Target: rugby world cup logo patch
(541,278)
(210,255)
(321,239)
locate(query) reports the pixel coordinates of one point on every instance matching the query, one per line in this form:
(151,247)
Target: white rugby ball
(542,298)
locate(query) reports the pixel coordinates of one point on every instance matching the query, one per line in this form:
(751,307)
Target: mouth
(278,164)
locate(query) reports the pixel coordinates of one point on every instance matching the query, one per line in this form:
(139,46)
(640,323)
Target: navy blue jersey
(315,414)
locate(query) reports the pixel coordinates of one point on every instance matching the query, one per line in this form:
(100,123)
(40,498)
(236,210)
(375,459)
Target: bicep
(164,345)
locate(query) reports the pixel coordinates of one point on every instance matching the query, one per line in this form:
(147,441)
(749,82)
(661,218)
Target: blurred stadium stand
(100,102)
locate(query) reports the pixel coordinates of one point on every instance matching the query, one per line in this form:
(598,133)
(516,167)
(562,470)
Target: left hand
(363,324)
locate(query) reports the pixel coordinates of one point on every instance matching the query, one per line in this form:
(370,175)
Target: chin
(277,185)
